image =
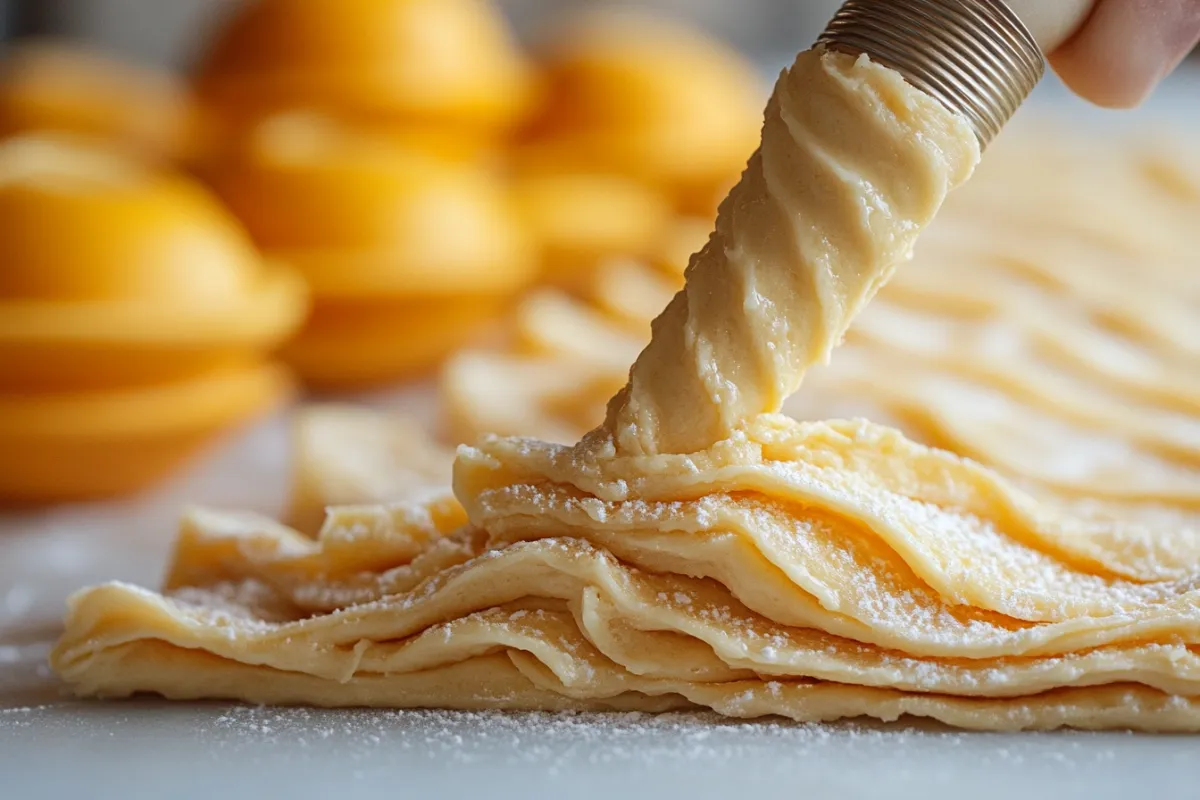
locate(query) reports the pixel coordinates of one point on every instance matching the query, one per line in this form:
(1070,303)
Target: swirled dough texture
(697,550)
(854,162)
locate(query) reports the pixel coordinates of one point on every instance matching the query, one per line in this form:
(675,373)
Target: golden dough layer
(822,570)
(694,551)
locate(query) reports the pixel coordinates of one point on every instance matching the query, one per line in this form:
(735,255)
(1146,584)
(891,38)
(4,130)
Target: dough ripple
(1030,565)
(814,570)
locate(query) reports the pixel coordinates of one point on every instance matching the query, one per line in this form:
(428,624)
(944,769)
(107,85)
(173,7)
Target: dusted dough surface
(743,562)
(823,570)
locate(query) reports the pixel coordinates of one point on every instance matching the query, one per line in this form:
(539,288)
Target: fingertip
(1107,88)
(1126,48)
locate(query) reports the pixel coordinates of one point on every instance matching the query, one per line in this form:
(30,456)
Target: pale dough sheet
(1032,564)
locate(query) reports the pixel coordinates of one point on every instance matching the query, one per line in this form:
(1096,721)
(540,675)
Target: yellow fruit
(361,216)
(58,88)
(433,62)
(651,99)
(582,219)
(76,446)
(363,344)
(115,273)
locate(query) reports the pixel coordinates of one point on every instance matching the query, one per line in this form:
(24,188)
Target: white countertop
(145,749)
(51,746)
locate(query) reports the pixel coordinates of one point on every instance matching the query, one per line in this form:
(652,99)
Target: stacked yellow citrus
(446,67)
(401,161)
(354,137)
(46,86)
(134,318)
(407,255)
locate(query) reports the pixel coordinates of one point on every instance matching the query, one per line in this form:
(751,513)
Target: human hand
(1113,52)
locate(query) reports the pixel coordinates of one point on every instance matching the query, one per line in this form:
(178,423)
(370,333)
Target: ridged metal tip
(975,56)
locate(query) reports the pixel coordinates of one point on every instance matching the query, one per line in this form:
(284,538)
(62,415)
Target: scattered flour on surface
(563,741)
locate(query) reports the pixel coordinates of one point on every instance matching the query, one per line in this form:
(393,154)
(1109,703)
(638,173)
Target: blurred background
(171,33)
(208,207)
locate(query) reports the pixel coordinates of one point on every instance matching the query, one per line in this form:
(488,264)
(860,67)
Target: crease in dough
(697,550)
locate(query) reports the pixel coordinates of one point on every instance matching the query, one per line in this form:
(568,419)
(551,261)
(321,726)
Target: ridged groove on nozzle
(974,56)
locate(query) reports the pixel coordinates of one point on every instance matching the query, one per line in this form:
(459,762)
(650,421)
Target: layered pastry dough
(699,550)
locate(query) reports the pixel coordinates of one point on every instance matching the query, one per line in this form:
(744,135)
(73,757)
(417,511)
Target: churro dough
(854,162)
(698,549)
